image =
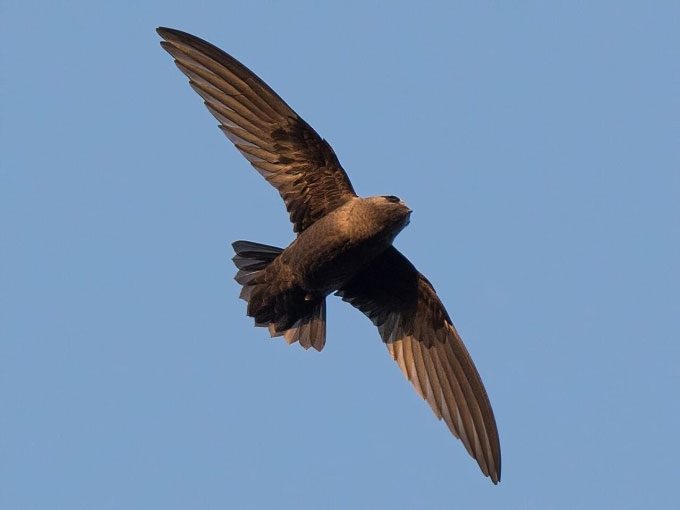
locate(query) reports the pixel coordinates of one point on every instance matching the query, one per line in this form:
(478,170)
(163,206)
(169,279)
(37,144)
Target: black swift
(343,246)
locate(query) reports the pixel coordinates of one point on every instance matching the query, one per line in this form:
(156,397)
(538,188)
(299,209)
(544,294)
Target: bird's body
(321,260)
(343,246)
(339,245)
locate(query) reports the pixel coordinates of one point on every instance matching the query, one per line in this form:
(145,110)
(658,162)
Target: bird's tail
(289,314)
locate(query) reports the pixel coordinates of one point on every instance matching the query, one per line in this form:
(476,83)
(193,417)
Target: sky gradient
(538,146)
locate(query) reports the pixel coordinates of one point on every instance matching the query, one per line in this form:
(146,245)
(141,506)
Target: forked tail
(289,313)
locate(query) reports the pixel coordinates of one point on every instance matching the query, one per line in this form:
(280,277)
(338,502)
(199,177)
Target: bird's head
(391,211)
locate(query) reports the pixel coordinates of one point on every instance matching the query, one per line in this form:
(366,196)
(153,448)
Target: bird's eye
(392,198)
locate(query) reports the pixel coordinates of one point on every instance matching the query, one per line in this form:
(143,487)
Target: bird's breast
(333,250)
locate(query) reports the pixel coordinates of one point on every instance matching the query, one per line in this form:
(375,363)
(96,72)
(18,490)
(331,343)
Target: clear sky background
(538,144)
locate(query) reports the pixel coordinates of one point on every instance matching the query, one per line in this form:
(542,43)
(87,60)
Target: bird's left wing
(278,143)
(420,337)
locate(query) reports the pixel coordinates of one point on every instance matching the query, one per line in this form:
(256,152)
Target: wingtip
(496,476)
(166,36)
(172,34)
(164,32)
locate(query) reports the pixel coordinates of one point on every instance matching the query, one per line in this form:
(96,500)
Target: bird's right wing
(420,337)
(277,142)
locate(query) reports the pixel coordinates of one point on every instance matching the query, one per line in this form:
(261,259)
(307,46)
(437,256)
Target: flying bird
(343,246)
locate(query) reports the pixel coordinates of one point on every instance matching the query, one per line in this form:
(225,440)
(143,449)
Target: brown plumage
(344,245)
(281,146)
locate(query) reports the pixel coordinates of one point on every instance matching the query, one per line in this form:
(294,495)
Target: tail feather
(251,258)
(308,328)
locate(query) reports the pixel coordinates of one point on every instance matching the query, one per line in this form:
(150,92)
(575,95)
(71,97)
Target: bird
(343,246)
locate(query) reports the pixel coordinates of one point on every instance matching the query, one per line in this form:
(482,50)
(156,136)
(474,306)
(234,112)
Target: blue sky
(536,142)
